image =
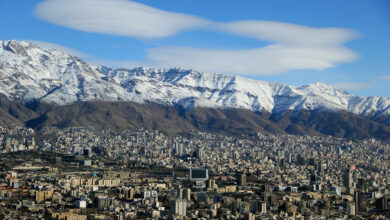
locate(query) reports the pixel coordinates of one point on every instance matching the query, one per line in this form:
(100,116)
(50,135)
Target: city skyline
(141,109)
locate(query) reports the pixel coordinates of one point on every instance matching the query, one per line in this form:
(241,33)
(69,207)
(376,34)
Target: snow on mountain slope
(190,88)
(31,73)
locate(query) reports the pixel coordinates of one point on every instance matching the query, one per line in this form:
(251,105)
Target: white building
(179,207)
(81,204)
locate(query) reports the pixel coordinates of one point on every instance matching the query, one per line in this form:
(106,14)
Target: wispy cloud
(58,47)
(268,60)
(292,46)
(288,33)
(355,86)
(385,77)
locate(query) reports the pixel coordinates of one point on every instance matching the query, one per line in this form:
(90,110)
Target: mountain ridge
(174,120)
(32,74)
(56,77)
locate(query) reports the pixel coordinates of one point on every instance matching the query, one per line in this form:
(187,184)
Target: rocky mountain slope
(42,87)
(177,120)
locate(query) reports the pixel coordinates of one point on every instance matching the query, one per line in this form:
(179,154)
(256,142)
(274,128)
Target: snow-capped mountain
(30,73)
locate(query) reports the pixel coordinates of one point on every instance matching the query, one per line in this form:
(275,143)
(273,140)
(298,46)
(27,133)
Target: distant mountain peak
(29,73)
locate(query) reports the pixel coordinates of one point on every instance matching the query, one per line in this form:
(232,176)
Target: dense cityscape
(83,173)
(187,110)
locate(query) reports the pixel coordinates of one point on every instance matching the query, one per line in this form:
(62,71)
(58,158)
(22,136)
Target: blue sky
(343,43)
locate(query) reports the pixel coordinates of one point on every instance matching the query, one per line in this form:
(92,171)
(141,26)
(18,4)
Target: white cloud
(288,33)
(273,59)
(353,85)
(116,17)
(292,46)
(385,77)
(58,47)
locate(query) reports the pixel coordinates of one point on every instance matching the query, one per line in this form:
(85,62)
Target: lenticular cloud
(116,17)
(292,46)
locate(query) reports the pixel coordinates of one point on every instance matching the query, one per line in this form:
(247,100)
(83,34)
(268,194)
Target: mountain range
(43,87)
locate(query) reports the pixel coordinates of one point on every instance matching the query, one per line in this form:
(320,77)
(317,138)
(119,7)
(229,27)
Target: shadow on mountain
(175,120)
